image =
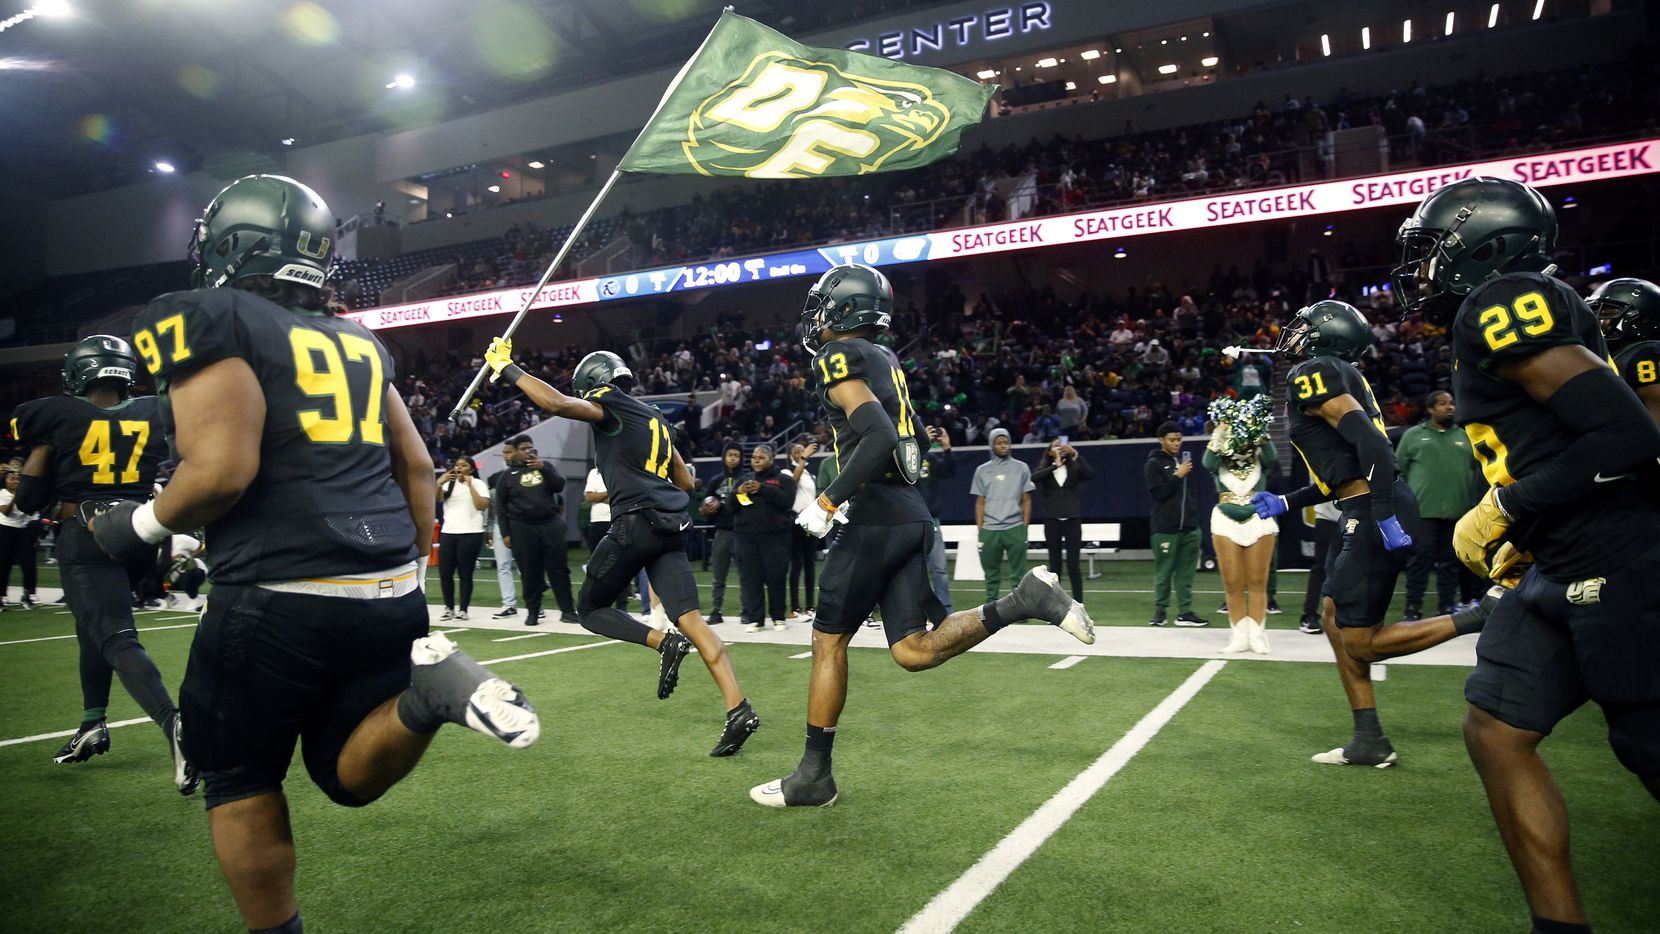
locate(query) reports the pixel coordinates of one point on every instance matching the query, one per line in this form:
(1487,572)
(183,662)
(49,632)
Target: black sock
(815,762)
(291,926)
(613,623)
(1547,926)
(139,676)
(1366,723)
(92,715)
(992,619)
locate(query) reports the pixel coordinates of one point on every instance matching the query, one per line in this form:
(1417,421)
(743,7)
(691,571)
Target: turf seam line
(1068,662)
(950,907)
(568,648)
(807,654)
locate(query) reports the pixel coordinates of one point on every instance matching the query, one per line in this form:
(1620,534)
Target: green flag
(752,102)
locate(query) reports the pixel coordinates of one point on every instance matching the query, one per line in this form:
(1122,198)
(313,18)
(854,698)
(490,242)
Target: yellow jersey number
(1491,452)
(1645,372)
(150,343)
(98,451)
(904,424)
(660,443)
(1530,313)
(1307,386)
(320,371)
(833,367)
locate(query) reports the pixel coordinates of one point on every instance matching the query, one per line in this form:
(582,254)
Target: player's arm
(548,399)
(877,440)
(679,474)
(1377,459)
(1650,396)
(412,470)
(34,491)
(1614,433)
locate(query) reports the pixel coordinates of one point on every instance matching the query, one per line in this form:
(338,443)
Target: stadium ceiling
(95,99)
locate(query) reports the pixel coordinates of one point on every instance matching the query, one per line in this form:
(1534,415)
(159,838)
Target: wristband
(511,373)
(825,504)
(147,525)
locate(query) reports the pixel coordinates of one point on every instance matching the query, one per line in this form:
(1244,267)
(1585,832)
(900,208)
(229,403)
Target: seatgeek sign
(1256,206)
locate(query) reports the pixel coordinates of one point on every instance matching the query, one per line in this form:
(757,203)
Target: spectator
(1174,524)
(715,509)
(1060,472)
(531,510)
(1072,410)
(499,552)
(17,540)
(763,507)
(1326,517)
(1002,491)
(937,466)
(803,547)
(1437,463)
(466,500)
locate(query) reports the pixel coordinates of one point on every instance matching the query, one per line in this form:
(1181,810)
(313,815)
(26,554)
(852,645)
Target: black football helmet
(597,369)
(1326,329)
(1627,309)
(99,357)
(844,299)
(263,225)
(1466,233)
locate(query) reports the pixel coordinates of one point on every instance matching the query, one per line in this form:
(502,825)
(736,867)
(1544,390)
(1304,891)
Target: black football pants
(100,597)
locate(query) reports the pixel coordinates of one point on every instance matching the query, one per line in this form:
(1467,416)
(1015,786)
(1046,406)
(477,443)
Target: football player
(880,556)
(299,458)
(1629,312)
(92,446)
(648,484)
(1560,438)
(1337,429)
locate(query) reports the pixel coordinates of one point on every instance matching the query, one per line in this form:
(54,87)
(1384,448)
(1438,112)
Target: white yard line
(449,632)
(951,906)
(1068,662)
(62,733)
(72,635)
(803,655)
(528,635)
(568,648)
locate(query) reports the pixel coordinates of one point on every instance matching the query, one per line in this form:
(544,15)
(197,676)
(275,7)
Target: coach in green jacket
(1438,464)
(1173,486)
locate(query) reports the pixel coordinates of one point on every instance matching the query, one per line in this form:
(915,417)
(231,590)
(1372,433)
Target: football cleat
(1376,753)
(671,652)
(1041,596)
(1310,625)
(186,777)
(795,792)
(449,683)
(91,739)
(741,723)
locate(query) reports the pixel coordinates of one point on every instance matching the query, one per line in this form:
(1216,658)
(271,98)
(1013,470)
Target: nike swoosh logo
(1602,479)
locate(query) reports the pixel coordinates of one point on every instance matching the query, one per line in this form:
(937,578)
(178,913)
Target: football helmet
(846,298)
(597,369)
(1326,329)
(1628,309)
(101,356)
(263,225)
(1465,234)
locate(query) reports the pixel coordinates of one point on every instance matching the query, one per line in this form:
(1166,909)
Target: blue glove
(1268,505)
(1394,537)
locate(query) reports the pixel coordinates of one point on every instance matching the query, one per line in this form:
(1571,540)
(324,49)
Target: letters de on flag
(754,103)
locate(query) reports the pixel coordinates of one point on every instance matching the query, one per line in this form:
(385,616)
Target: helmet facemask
(1294,337)
(813,320)
(1416,281)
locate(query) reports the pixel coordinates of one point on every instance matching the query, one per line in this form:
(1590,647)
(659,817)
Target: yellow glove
(1509,565)
(499,356)
(1479,538)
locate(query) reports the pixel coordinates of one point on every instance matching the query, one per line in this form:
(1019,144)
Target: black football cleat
(671,651)
(91,739)
(741,723)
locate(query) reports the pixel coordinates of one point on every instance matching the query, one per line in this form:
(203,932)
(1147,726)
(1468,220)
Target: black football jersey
(324,502)
(97,453)
(889,499)
(1510,318)
(1331,460)
(1639,364)
(633,448)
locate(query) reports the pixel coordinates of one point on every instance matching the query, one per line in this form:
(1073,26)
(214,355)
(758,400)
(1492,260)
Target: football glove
(1268,505)
(1394,537)
(1479,535)
(1509,565)
(499,358)
(817,520)
(124,529)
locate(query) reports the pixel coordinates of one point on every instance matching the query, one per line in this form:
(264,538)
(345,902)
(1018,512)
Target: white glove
(817,521)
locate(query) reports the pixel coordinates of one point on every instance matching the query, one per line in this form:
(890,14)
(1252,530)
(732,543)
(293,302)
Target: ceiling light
(1047,62)
(405,82)
(51,8)
(1164,42)
(986,73)
(1207,35)
(1167,69)
(1365,37)
(1090,55)
(1448,30)
(1108,79)
(414,200)
(1539,9)
(1072,85)
(1326,232)
(1569,203)
(1184,38)
(1325,45)
(1118,51)
(1406,30)
(494,189)
(288,140)
(1209,61)
(1493,16)
(165,168)
(1120,253)
(534,165)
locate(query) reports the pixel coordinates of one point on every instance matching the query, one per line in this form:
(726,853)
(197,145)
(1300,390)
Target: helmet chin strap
(242,260)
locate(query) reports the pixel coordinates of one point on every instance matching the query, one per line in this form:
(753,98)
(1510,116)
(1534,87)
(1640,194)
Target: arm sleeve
(32,493)
(1080,470)
(1615,437)
(1307,496)
(877,439)
(1377,459)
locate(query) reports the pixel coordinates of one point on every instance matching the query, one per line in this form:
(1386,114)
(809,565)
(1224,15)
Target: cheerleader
(1240,456)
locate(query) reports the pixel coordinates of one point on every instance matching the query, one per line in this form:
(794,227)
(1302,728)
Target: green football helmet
(1627,309)
(845,299)
(263,225)
(597,369)
(101,356)
(1326,329)
(1465,234)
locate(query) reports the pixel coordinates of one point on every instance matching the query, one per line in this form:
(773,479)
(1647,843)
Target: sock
(1547,926)
(1366,723)
(815,762)
(292,926)
(92,714)
(991,618)
(613,623)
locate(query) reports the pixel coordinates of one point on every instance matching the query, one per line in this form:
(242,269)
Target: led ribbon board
(1402,188)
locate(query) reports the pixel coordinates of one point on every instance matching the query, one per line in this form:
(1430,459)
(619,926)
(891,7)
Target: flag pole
(483,371)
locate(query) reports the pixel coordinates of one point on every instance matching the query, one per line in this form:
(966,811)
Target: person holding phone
(1174,524)
(465,499)
(1059,474)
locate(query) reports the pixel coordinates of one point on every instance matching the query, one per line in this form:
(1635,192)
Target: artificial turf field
(617,819)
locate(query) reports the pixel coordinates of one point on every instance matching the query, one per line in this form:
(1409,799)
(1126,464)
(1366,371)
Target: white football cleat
(819,795)
(1059,609)
(1379,756)
(449,682)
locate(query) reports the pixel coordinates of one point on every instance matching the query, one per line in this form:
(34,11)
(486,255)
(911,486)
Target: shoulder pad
(1316,380)
(1516,316)
(181,331)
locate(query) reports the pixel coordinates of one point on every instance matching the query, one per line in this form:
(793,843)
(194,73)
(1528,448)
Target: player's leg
(1368,745)
(556,559)
(626,549)
(674,585)
(255,845)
